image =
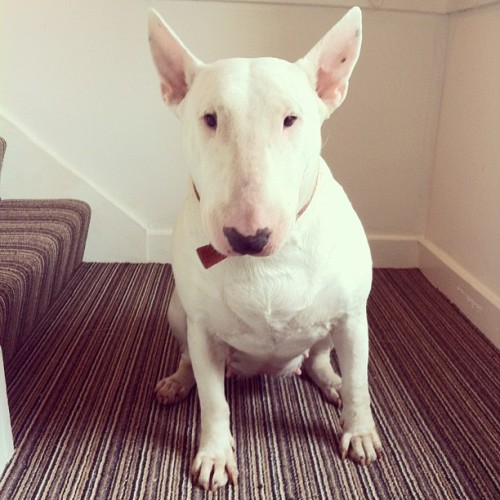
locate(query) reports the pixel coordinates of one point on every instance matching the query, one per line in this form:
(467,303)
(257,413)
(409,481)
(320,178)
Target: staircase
(41,246)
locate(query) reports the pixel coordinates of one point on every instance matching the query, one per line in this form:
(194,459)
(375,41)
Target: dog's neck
(209,256)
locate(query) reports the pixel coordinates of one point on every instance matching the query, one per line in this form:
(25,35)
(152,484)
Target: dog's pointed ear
(174,62)
(331,61)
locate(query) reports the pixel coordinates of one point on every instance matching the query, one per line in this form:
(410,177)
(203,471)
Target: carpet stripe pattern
(87,426)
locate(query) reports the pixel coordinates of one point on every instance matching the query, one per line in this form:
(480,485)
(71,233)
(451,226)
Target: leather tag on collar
(209,256)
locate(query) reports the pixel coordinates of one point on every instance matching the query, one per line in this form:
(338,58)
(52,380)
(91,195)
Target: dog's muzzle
(241,244)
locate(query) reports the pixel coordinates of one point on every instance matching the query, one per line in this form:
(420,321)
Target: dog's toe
(213,469)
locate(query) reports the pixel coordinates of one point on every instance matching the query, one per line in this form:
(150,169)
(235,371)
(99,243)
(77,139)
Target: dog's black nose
(247,244)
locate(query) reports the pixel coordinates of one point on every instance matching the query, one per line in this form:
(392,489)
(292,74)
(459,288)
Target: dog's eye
(210,120)
(289,121)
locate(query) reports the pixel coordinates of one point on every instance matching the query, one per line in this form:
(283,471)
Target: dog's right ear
(175,64)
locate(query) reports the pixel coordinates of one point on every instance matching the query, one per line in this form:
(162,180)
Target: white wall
(78,90)
(461,250)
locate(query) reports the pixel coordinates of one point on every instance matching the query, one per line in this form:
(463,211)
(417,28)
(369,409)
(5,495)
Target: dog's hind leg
(177,386)
(319,368)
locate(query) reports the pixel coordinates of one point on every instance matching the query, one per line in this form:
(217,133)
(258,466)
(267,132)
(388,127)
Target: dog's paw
(173,389)
(360,440)
(361,448)
(214,466)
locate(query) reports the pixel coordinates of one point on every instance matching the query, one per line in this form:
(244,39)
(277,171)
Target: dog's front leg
(360,440)
(215,461)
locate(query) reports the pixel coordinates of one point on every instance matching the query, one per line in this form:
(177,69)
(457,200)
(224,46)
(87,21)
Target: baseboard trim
(159,244)
(387,251)
(480,304)
(394,251)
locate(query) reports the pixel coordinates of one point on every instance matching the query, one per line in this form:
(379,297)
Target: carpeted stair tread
(41,245)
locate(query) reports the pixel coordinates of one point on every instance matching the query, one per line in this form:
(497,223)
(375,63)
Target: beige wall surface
(460,252)
(81,108)
(464,212)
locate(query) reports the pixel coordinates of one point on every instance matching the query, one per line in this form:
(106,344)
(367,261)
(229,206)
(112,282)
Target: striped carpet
(87,426)
(41,244)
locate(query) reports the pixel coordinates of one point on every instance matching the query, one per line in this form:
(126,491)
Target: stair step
(41,245)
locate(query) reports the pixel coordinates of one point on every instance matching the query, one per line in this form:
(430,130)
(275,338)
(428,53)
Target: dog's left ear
(174,62)
(331,61)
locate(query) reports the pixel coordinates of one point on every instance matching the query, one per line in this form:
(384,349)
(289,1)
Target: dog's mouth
(256,245)
(247,245)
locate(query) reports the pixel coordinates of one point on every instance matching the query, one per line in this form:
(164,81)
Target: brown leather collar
(209,256)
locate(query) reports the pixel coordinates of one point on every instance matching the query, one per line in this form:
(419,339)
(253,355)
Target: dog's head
(251,131)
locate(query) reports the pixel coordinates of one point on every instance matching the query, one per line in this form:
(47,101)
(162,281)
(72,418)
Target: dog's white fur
(252,168)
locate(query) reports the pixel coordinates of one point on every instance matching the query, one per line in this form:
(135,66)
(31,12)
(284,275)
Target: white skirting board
(6,441)
(159,243)
(394,251)
(480,304)
(475,300)
(387,251)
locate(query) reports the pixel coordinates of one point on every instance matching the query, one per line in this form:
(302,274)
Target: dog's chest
(278,313)
(274,331)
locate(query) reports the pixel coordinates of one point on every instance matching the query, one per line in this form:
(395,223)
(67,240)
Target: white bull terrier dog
(271,262)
